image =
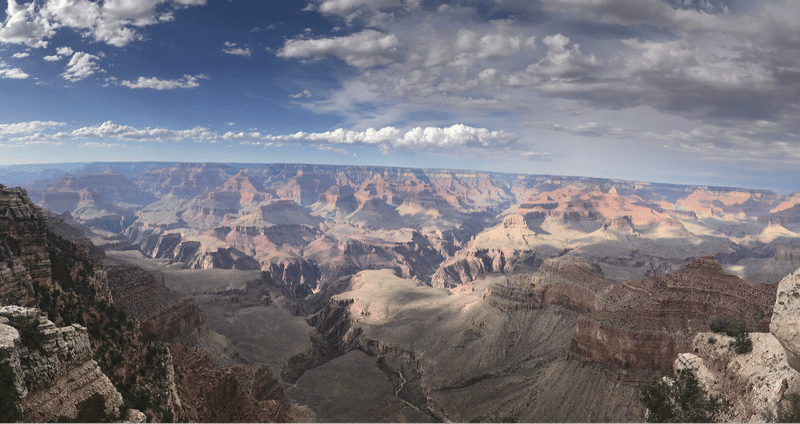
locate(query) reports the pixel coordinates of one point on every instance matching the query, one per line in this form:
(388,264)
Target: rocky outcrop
(467,265)
(52,366)
(194,254)
(647,323)
(785,325)
(759,385)
(181,323)
(168,315)
(242,393)
(24,259)
(569,282)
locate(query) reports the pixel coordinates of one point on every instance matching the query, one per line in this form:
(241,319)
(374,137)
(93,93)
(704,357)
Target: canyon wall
(53,370)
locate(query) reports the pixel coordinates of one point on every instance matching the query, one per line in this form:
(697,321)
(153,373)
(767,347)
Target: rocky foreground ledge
(51,367)
(764,383)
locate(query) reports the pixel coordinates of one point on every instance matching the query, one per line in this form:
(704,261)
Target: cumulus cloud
(81,65)
(391,138)
(111,130)
(113,22)
(364,49)
(28,127)
(20,55)
(304,93)
(231,48)
(188,81)
(52,58)
(455,136)
(12,73)
(386,138)
(371,11)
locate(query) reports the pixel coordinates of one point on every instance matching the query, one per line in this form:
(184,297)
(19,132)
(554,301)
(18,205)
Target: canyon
(279,292)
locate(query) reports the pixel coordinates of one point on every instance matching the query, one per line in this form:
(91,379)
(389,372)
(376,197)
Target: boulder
(785,325)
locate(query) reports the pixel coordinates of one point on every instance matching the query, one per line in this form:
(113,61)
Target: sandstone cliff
(656,319)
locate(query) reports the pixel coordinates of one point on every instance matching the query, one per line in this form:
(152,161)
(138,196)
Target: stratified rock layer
(52,366)
(23,247)
(657,318)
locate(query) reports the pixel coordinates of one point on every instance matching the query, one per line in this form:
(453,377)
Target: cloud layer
(386,139)
(116,23)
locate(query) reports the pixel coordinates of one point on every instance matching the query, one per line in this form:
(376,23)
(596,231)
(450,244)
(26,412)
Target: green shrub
(719,323)
(739,329)
(680,398)
(743,344)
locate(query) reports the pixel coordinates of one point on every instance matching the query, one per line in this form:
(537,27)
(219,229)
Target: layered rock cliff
(654,320)
(24,260)
(169,315)
(92,361)
(53,370)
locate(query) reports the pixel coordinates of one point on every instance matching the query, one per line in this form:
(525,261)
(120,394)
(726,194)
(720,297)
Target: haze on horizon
(675,91)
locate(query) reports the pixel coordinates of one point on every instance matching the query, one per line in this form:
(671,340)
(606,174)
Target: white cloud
(25,25)
(455,136)
(28,127)
(52,58)
(304,93)
(445,139)
(39,138)
(113,22)
(231,48)
(111,130)
(188,81)
(64,51)
(11,73)
(372,11)
(20,55)
(81,65)
(364,49)
(100,144)
(388,138)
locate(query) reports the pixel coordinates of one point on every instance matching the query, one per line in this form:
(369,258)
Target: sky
(677,91)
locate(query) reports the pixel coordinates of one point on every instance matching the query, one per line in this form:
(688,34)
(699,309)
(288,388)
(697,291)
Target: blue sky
(681,91)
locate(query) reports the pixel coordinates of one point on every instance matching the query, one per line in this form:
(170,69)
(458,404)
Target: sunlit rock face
(785,324)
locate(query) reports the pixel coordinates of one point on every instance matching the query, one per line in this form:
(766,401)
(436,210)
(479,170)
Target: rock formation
(758,384)
(649,322)
(52,367)
(170,316)
(24,259)
(453,283)
(785,325)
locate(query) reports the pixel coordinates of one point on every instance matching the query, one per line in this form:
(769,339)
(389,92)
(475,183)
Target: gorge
(278,292)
